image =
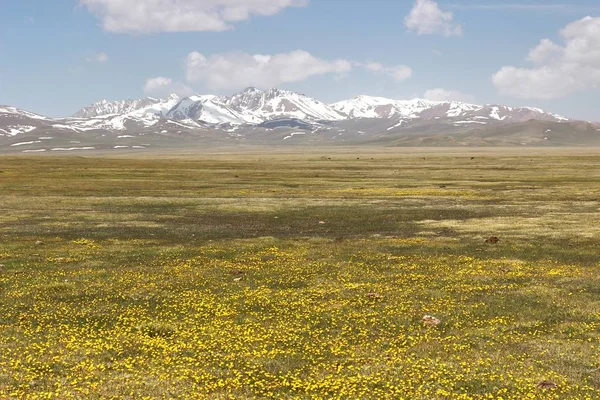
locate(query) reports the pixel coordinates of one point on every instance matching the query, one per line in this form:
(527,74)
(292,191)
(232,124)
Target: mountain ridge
(276,116)
(255,106)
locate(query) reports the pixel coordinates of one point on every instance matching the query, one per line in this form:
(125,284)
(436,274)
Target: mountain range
(277,116)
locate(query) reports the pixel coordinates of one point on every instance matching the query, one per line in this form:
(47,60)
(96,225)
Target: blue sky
(58,56)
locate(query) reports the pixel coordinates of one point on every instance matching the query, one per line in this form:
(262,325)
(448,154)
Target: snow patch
(395,126)
(72,148)
(26,143)
(294,134)
(14,130)
(495,114)
(68,127)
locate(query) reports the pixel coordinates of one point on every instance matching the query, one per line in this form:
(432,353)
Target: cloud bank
(237,70)
(153,16)
(558,70)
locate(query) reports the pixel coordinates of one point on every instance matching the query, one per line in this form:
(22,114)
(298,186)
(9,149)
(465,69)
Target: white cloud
(237,70)
(98,57)
(426,18)
(157,83)
(544,51)
(440,94)
(560,70)
(398,72)
(374,66)
(152,16)
(162,87)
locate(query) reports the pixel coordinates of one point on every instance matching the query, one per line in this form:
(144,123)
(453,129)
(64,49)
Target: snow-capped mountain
(253,110)
(282,117)
(14,121)
(105,107)
(251,106)
(379,107)
(6,111)
(210,109)
(119,115)
(274,103)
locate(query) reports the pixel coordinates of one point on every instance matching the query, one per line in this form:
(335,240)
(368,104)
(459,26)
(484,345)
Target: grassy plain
(301,276)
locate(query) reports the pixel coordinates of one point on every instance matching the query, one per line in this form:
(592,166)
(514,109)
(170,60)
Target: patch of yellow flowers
(293,321)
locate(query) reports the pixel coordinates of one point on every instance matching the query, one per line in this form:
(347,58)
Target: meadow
(302,275)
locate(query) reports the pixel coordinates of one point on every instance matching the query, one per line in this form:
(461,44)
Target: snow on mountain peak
(277,103)
(16,111)
(209,109)
(105,107)
(251,89)
(380,107)
(254,106)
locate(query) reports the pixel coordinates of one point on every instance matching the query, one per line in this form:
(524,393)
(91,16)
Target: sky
(58,56)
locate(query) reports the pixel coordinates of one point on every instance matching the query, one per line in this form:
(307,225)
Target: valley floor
(301,275)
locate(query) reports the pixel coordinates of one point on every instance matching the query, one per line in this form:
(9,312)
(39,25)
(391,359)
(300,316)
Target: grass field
(297,276)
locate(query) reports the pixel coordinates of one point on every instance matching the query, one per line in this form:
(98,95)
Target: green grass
(211,276)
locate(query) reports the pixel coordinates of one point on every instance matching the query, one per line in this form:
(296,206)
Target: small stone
(430,321)
(237,279)
(39,243)
(546,385)
(492,240)
(321,222)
